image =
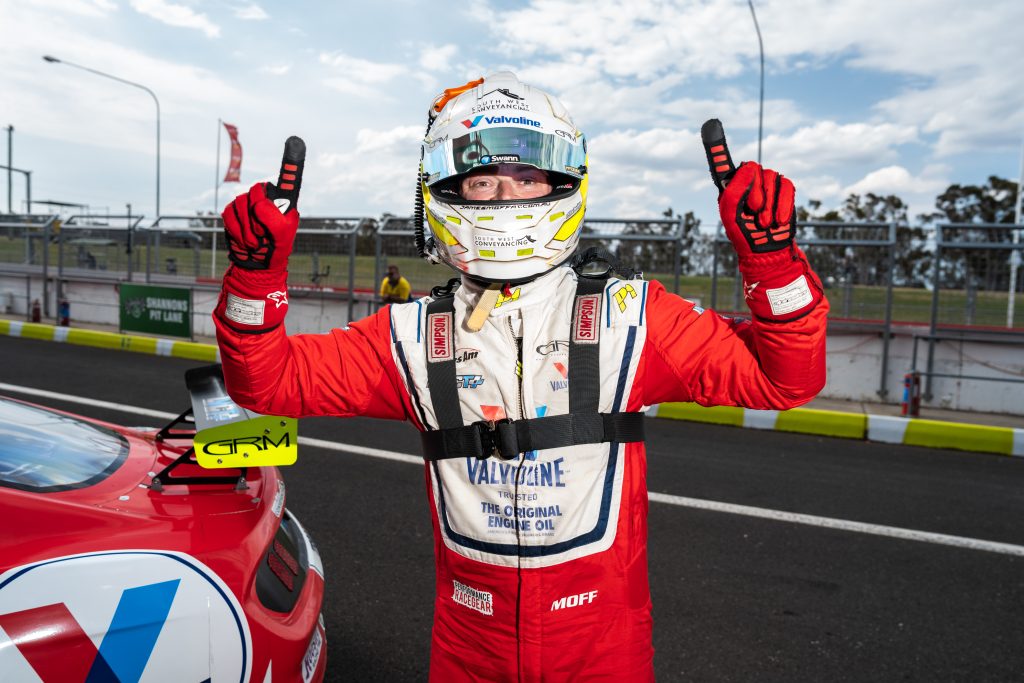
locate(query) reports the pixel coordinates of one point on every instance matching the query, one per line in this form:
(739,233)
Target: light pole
(54,60)
(760,112)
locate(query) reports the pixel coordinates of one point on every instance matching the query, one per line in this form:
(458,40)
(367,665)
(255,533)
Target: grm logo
(261,442)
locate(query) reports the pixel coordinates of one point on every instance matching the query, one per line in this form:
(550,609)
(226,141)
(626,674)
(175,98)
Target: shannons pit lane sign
(156,310)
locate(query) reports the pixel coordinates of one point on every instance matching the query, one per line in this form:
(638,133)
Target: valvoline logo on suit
(133,616)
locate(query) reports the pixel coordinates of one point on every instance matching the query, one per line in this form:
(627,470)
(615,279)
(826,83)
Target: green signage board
(156,310)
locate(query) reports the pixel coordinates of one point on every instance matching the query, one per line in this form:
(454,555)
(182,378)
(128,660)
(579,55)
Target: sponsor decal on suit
(439,339)
(280,298)
(469,381)
(575,600)
(478,600)
(587,319)
(560,384)
(620,295)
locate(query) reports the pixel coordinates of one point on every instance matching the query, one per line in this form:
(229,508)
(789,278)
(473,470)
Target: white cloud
(88,8)
(276,69)
(251,12)
(380,169)
(362,70)
(641,173)
(828,144)
(176,15)
(359,77)
(628,201)
(437,58)
(964,58)
(821,188)
(899,181)
(926,81)
(658,148)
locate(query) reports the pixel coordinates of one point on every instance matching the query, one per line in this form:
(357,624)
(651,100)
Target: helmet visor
(447,158)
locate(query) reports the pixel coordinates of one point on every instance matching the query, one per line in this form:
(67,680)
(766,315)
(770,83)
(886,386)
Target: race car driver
(527,381)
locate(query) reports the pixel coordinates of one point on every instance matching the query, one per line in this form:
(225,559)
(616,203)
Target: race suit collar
(515,297)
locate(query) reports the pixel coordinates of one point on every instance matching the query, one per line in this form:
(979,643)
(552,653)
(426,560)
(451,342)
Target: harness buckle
(498,439)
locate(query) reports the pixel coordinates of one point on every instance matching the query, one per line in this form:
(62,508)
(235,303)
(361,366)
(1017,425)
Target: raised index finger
(719,160)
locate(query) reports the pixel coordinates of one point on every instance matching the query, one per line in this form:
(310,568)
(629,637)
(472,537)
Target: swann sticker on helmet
(259,442)
(500,159)
(132,616)
(500,121)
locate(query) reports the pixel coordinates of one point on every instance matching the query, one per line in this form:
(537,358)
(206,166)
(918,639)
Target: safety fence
(976,292)
(877,276)
(23,252)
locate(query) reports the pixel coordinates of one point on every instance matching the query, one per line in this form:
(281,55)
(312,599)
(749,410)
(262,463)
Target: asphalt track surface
(736,597)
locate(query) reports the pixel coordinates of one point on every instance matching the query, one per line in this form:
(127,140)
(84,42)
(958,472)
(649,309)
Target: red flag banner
(234,172)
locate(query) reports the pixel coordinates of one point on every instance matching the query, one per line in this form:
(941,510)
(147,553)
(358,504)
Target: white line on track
(667,499)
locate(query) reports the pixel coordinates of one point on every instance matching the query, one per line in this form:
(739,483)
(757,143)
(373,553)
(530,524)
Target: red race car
(122,560)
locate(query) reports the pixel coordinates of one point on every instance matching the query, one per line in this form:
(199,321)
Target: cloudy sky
(900,97)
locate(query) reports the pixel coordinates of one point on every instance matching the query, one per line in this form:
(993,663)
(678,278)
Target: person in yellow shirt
(394,289)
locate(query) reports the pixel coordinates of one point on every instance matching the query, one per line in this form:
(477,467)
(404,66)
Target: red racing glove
(757,210)
(756,206)
(254,298)
(259,236)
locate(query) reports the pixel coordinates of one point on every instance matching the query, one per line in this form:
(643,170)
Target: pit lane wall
(854,359)
(95,302)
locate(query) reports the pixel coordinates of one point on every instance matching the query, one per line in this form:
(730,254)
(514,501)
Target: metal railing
(1002,339)
(968,280)
(317,244)
(175,247)
(103,244)
(30,229)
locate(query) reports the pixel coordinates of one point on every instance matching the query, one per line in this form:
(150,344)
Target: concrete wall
(854,359)
(855,366)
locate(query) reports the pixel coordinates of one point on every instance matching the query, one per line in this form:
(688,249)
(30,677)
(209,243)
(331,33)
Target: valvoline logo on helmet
(498,120)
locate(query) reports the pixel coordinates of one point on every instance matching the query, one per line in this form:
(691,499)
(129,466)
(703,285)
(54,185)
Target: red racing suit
(541,562)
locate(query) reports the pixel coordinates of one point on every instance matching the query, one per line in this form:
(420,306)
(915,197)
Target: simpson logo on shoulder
(228,435)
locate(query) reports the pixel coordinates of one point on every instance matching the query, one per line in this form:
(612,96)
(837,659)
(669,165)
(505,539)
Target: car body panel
(87,572)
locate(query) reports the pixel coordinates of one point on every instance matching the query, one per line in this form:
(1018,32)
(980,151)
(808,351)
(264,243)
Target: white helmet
(498,120)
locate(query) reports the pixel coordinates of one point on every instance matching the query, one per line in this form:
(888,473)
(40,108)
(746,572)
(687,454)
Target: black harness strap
(585,346)
(440,350)
(507,439)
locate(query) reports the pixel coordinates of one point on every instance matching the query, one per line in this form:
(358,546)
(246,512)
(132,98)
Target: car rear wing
(224,434)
